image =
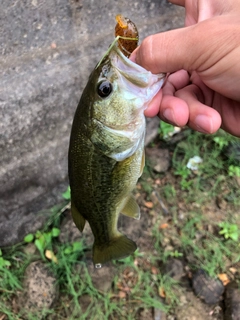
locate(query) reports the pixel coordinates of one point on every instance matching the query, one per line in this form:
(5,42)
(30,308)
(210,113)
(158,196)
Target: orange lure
(125,28)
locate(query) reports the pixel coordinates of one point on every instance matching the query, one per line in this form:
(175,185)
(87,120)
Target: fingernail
(169,116)
(204,124)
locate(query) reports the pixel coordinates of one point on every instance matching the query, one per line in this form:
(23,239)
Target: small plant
(184,173)
(172,254)
(166,130)
(3,262)
(67,194)
(175,254)
(229,230)
(42,240)
(75,247)
(234,171)
(168,289)
(221,141)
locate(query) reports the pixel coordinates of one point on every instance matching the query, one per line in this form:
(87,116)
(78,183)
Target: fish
(106,151)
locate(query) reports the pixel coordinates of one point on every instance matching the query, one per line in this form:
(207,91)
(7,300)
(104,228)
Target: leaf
(233,270)
(221,141)
(29,238)
(51,256)
(234,171)
(122,294)
(224,230)
(1,262)
(38,234)
(233,228)
(148,204)
(154,270)
(4,263)
(163,226)
(3,317)
(55,232)
(234,236)
(39,244)
(77,246)
(161,292)
(67,194)
(68,250)
(7,263)
(46,239)
(224,278)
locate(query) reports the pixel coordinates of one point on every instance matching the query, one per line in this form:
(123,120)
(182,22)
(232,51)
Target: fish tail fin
(118,248)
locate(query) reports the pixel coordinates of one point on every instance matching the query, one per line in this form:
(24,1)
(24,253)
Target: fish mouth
(133,71)
(130,130)
(136,82)
(129,141)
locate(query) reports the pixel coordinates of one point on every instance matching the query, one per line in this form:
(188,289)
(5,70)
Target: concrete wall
(48,49)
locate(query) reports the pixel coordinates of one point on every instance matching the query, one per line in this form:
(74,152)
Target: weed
(221,141)
(234,171)
(74,247)
(3,262)
(206,250)
(165,130)
(173,254)
(168,288)
(42,240)
(67,194)
(229,230)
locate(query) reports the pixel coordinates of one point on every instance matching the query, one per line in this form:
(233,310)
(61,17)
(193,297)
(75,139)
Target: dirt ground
(183,268)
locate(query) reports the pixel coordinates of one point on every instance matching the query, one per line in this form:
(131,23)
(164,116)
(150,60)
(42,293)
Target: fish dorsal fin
(131,208)
(77,217)
(142,163)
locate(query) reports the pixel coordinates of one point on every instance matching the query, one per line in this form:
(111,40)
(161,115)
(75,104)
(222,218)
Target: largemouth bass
(106,152)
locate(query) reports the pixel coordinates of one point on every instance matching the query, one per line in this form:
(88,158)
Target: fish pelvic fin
(78,219)
(131,208)
(118,248)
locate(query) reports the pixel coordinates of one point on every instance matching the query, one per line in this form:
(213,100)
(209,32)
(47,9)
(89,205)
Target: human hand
(203,88)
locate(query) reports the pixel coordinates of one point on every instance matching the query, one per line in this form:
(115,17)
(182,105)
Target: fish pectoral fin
(142,163)
(78,219)
(117,248)
(131,208)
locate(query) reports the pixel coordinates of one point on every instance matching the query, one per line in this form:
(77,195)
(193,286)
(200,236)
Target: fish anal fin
(117,248)
(131,208)
(78,219)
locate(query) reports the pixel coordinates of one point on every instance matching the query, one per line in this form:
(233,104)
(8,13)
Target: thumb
(164,52)
(197,47)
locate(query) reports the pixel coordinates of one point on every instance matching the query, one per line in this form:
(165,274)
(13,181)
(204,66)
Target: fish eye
(104,89)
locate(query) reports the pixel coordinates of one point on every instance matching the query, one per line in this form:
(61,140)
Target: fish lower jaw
(121,156)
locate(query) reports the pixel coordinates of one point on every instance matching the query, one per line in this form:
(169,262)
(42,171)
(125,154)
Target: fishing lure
(127,35)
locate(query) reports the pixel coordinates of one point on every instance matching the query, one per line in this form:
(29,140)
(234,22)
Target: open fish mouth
(136,83)
(133,72)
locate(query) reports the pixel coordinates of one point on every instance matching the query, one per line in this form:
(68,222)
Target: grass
(200,227)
